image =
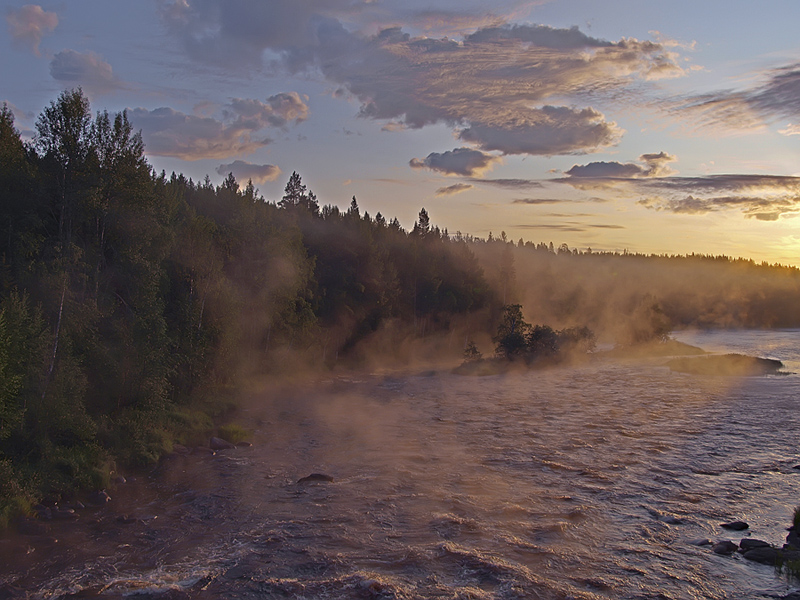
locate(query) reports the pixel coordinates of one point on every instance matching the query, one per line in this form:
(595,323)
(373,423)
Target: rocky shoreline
(785,557)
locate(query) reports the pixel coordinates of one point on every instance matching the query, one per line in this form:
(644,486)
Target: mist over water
(589,481)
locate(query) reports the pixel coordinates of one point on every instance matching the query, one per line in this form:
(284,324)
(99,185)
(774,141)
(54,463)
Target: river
(590,481)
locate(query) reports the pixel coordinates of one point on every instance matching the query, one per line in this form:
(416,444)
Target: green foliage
(512,333)
(471,352)
(516,338)
(131,303)
(233,433)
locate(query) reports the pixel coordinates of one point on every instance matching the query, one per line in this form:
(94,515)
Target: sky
(655,127)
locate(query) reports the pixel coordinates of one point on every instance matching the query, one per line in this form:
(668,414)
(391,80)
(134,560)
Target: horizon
(622,127)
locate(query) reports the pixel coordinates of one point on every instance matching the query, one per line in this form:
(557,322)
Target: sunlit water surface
(591,481)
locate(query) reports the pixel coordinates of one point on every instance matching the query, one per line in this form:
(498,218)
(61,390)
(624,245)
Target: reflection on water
(584,482)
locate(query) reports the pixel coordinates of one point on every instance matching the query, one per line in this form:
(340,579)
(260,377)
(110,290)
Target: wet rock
(792,596)
(244,445)
(316,478)
(725,547)
(701,542)
(766,555)
(119,479)
(793,539)
(735,525)
(98,498)
(750,543)
(220,444)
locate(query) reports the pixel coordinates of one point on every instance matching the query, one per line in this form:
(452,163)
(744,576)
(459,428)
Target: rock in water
(220,444)
(725,547)
(735,525)
(766,555)
(316,478)
(749,543)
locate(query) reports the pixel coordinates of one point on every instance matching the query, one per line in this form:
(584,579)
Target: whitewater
(589,481)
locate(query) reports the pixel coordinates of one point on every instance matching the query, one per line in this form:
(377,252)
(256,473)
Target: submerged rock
(220,444)
(793,539)
(316,478)
(766,555)
(725,547)
(735,525)
(750,543)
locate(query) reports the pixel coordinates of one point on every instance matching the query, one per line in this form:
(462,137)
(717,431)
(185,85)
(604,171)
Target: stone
(244,445)
(735,525)
(725,547)
(764,555)
(701,542)
(220,444)
(793,539)
(750,543)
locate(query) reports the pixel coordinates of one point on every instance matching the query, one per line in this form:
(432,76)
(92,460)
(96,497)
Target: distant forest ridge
(132,301)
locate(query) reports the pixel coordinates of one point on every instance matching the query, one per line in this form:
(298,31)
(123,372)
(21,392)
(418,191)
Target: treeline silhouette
(133,304)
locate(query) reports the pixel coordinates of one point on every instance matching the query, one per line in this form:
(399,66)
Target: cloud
(546,131)
(239,128)
(244,171)
(87,70)
(278,111)
(539,201)
(762,197)
(451,190)
(515,89)
(776,96)
(515,184)
(655,165)
(30,24)
(461,161)
(570,226)
(791,130)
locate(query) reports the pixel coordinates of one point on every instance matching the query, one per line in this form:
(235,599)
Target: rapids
(590,481)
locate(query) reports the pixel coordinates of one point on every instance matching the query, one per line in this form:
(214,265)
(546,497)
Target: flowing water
(590,481)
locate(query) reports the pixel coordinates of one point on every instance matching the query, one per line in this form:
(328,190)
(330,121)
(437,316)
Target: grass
(233,433)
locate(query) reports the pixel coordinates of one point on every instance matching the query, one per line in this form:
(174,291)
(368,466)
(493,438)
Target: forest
(135,305)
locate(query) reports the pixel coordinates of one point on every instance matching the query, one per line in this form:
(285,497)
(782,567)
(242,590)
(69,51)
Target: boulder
(750,543)
(217,444)
(793,539)
(766,555)
(735,525)
(725,547)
